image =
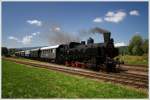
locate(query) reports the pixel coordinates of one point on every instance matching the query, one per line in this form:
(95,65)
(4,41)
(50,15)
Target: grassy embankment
(135,60)
(22,81)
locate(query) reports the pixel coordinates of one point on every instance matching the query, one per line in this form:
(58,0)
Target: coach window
(53,50)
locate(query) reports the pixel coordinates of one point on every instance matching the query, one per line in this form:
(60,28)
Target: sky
(31,24)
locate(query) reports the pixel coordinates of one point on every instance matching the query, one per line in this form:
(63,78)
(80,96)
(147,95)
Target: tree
(137,51)
(12,51)
(135,46)
(145,46)
(4,51)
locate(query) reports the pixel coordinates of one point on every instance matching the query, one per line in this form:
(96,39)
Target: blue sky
(29,24)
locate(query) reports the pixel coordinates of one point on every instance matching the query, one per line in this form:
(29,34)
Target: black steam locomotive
(91,55)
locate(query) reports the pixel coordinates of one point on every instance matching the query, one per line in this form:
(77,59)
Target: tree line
(8,52)
(137,46)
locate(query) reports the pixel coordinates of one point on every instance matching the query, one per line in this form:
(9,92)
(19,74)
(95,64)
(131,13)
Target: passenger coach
(22,53)
(49,53)
(27,53)
(35,53)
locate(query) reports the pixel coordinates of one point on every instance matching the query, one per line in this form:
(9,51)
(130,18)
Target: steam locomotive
(92,55)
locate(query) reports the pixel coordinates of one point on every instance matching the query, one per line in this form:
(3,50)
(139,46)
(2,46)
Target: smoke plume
(98,30)
(58,36)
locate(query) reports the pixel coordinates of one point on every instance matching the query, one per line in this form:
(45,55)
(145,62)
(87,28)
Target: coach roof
(50,47)
(35,49)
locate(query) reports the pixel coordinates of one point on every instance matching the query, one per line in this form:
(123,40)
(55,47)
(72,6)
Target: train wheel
(83,66)
(76,64)
(73,64)
(67,63)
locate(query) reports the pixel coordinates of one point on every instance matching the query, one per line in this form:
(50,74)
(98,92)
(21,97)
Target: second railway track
(134,68)
(134,80)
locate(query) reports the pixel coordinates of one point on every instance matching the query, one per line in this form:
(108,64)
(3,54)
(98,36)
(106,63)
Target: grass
(22,81)
(135,60)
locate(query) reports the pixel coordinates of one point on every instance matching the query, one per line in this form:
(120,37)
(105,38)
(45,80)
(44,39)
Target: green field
(22,81)
(134,60)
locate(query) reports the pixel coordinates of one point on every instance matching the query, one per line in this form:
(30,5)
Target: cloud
(115,17)
(119,44)
(137,32)
(98,20)
(134,13)
(55,28)
(12,38)
(26,39)
(36,33)
(35,22)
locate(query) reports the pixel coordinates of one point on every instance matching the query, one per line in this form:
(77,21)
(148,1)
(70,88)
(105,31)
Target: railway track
(129,79)
(134,68)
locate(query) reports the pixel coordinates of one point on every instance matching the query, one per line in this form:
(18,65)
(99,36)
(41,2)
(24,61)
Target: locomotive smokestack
(106,34)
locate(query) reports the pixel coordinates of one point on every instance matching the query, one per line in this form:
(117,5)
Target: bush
(137,46)
(4,51)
